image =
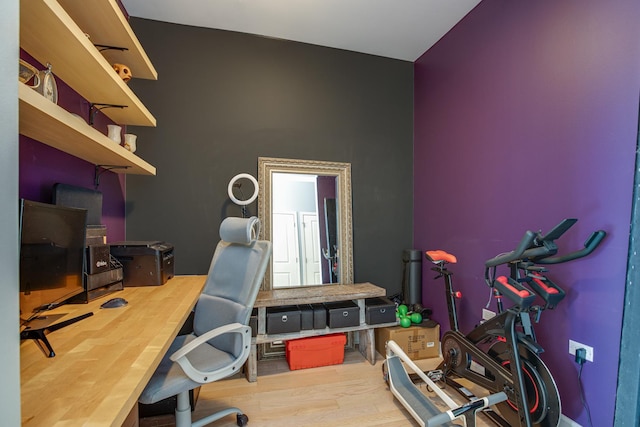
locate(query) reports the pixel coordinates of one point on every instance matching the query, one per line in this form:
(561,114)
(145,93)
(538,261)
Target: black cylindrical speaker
(412,276)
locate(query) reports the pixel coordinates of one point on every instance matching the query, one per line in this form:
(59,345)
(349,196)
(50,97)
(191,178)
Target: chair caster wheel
(242,420)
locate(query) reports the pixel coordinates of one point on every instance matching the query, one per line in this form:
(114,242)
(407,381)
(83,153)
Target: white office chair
(221,340)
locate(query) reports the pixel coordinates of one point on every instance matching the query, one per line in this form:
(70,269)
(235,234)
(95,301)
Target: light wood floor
(351,394)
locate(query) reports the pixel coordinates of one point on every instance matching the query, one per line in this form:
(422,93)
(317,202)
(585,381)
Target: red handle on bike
(517,293)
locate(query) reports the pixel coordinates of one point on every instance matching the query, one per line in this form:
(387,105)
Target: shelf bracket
(94,107)
(103,47)
(105,168)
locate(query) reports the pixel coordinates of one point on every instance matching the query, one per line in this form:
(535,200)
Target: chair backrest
(235,275)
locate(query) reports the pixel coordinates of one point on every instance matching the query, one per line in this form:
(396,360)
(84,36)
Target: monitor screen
(52,250)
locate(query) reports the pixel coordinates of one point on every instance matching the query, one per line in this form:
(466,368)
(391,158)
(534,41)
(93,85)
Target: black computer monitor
(52,252)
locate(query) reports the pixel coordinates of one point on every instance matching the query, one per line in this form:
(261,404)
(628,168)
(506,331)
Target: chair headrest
(240,230)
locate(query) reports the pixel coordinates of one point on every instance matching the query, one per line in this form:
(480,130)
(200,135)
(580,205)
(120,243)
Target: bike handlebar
(540,249)
(534,248)
(524,244)
(589,246)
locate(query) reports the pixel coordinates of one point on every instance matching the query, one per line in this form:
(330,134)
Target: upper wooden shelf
(50,35)
(112,29)
(317,294)
(50,124)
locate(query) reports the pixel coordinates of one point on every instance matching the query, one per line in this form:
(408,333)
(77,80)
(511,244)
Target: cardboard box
(418,341)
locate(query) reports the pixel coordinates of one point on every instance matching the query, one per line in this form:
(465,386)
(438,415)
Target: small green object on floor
(405,322)
(403,310)
(416,317)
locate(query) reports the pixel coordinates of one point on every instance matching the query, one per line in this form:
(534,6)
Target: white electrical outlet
(487,314)
(574,345)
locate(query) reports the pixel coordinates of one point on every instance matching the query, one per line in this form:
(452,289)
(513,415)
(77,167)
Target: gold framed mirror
(305,210)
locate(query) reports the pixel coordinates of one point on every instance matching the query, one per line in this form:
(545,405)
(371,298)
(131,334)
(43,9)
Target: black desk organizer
(100,284)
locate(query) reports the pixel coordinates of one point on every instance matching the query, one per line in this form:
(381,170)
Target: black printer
(144,263)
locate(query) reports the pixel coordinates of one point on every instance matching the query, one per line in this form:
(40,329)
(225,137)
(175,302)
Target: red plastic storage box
(315,351)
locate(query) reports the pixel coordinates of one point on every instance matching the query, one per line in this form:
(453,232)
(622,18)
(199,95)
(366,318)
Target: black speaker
(412,276)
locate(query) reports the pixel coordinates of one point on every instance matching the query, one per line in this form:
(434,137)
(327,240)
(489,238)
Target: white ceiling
(399,29)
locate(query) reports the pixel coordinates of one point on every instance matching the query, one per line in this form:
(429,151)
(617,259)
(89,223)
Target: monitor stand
(38,334)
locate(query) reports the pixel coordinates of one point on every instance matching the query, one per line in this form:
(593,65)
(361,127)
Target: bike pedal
(435,375)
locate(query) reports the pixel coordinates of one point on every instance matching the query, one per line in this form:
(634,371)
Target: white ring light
(233,181)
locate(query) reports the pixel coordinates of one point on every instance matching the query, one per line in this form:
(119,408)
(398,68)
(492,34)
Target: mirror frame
(342,171)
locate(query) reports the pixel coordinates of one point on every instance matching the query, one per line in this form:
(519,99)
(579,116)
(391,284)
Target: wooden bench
(312,295)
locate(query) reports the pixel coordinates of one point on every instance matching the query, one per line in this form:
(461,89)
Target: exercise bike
(502,354)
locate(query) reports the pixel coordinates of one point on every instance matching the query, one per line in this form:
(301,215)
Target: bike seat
(440,256)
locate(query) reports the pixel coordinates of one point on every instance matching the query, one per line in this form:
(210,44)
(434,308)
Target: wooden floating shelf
(50,35)
(112,29)
(44,121)
(317,294)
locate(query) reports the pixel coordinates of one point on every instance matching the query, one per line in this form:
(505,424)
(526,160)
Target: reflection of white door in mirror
(305,209)
(310,248)
(286,262)
(296,235)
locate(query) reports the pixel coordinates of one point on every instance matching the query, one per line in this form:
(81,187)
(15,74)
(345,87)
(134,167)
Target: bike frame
(501,326)
(511,327)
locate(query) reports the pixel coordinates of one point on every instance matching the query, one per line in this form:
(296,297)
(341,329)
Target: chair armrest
(184,350)
(180,356)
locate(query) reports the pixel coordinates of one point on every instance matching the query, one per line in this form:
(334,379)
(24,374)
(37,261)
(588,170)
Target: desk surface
(103,363)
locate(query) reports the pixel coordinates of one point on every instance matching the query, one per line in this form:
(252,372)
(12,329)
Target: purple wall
(527,113)
(41,166)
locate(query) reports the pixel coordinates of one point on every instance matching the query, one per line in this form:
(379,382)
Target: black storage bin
(306,316)
(342,314)
(379,310)
(281,320)
(319,316)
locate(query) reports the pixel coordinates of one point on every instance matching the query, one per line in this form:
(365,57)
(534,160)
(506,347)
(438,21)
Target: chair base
(166,406)
(183,414)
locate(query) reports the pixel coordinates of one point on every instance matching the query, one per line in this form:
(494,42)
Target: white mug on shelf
(114,133)
(130,142)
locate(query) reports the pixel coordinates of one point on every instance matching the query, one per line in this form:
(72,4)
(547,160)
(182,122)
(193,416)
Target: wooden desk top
(103,362)
(317,294)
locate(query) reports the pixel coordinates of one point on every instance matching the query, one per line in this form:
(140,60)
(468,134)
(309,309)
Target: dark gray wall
(223,99)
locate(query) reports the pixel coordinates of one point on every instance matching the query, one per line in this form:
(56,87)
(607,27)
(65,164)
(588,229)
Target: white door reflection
(297,259)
